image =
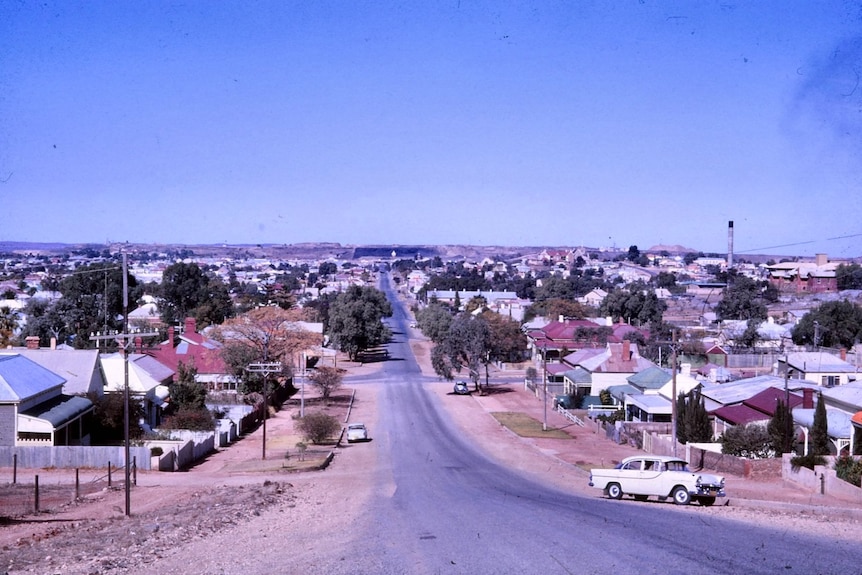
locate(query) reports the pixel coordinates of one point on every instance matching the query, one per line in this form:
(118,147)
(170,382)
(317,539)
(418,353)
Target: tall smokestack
(729,244)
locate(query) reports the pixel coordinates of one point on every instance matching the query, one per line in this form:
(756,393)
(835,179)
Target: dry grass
(525,426)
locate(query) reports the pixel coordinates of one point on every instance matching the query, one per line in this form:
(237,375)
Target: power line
(844,237)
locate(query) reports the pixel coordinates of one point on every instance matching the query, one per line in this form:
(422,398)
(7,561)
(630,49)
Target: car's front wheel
(615,491)
(681,496)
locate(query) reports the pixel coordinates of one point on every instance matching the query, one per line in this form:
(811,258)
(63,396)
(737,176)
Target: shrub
(749,441)
(849,469)
(808,461)
(318,427)
(190,418)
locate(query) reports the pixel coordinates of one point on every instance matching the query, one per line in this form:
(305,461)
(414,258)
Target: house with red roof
(192,349)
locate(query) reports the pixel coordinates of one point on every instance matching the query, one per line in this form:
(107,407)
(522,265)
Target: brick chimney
(843,354)
(627,350)
(190,325)
(32,341)
(807,398)
(171,336)
(139,344)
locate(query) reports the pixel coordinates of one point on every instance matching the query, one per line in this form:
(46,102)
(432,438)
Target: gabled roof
(652,377)
(578,375)
(740,390)
(22,378)
(739,414)
(818,362)
(768,399)
(79,367)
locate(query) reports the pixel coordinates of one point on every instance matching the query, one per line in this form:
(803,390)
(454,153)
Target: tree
(507,341)
(187,409)
(265,334)
(750,441)
(838,323)
(780,428)
(8,325)
(326,379)
(697,426)
(849,276)
(355,320)
(467,345)
(742,299)
(819,429)
(637,304)
(434,321)
(109,419)
(317,427)
(186,291)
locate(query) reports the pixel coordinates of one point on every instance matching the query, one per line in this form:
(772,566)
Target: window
(830,380)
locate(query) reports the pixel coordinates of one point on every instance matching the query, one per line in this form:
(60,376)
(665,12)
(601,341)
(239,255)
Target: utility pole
(125,340)
(673,413)
(545,386)
(265,369)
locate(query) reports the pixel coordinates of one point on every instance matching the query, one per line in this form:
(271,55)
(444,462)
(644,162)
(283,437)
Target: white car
(662,476)
(357,432)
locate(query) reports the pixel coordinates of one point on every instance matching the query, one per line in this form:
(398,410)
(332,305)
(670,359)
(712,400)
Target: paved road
(439,506)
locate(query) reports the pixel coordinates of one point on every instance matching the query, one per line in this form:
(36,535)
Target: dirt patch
(526,426)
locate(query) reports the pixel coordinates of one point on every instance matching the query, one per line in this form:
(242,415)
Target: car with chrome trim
(644,476)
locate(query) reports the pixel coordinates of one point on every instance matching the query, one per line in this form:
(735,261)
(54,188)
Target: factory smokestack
(730,245)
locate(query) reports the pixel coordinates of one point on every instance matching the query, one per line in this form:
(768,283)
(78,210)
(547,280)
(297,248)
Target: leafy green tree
(187,291)
(742,299)
(681,419)
(326,380)
(637,304)
(840,325)
(751,441)
(780,428)
(109,419)
(355,320)
(750,336)
(849,276)
(507,342)
(434,321)
(466,346)
(819,429)
(634,254)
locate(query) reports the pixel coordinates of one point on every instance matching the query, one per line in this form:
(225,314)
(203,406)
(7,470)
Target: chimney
(171,336)
(32,342)
(53,343)
(807,398)
(191,325)
(730,244)
(843,354)
(139,344)
(627,350)
(821,259)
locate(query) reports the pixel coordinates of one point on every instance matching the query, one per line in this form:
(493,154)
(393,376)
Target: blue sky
(491,123)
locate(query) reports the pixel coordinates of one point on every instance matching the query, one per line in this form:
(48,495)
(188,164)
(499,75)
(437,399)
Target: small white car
(642,476)
(356,432)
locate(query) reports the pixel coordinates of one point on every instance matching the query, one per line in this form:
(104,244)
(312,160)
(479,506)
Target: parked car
(642,476)
(461,388)
(357,432)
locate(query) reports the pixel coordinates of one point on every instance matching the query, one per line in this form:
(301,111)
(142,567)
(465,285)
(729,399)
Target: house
(654,390)
(608,366)
(147,315)
(821,367)
(148,382)
(193,349)
(818,276)
(78,367)
(594,298)
(759,408)
(33,409)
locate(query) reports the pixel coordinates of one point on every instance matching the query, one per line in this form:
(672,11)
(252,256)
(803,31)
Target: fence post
(77,485)
(109,474)
(135,471)
(37,494)
(14,468)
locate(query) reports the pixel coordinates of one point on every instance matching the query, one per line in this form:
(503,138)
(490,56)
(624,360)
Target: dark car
(461,388)
(565,401)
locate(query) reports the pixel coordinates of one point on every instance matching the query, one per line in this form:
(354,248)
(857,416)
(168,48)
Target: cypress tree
(698,428)
(820,430)
(681,419)
(780,429)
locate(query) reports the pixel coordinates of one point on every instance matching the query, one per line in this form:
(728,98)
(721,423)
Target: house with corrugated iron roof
(819,276)
(33,409)
(148,379)
(193,349)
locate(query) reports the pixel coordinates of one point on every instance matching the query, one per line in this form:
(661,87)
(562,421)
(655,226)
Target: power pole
(125,340)
(265,369)
(673,413)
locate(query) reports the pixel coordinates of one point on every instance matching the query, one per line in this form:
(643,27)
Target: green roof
(651,378)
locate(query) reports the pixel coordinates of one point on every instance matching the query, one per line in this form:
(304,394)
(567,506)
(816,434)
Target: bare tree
(326,379)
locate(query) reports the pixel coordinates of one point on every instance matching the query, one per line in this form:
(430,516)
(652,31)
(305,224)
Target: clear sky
(493,123)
